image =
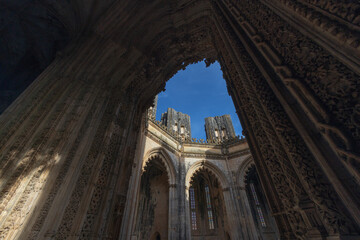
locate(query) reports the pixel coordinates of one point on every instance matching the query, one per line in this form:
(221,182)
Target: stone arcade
(207,189)
(67,143)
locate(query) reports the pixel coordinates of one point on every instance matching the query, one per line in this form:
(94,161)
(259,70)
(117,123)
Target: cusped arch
(200,165)
(164,157)
(243,169)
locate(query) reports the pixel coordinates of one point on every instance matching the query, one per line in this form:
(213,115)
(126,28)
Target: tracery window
(193,209)
(258,207)
(209,209)
(206,209)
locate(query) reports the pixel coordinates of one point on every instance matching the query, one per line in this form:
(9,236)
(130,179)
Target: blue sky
(200,92)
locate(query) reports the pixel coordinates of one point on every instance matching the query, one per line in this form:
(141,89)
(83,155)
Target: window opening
(193,209)
(216,133)
(258,207)
(223,132)
(254,194)
(209,210)
(261,216)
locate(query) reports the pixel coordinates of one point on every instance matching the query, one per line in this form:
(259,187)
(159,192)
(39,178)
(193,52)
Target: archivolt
(243,169)
(161,155)
(204,165)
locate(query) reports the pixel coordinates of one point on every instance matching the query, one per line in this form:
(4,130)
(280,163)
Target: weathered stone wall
(183,161)
(67,143)
(177,122)
(153,206)
(219,128)
(199,181)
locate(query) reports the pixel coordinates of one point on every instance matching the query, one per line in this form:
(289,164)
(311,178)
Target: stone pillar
(238,214)
(184,208)
(281,112)
(65,144)
(173,212)
(250,231)
(133,196)
(231,214)
(187,221)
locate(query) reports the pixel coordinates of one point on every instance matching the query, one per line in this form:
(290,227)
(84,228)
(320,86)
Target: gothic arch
(201,165)
(155,191)
(292,68)
(164,157)
(199,175)
(243,168)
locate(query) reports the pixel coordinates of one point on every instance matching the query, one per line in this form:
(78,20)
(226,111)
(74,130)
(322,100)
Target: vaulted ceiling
(32,32)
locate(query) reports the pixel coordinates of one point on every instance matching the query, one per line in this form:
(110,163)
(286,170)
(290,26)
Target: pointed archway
(292,68)
(208,214)
(210,177)
(153,204)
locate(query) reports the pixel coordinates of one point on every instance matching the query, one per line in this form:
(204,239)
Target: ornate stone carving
(295,151)
(87,104)
(340,20)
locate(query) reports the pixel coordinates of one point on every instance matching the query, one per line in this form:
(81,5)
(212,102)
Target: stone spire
(177,122)
(219,128)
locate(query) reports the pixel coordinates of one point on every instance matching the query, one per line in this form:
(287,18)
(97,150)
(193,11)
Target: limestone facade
(177,122)
(91,68)
(219,128)
(226,161)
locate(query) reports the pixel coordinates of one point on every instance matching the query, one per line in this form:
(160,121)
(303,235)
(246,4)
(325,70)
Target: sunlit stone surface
(90,69)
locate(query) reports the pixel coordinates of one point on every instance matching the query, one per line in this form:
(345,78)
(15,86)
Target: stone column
(231,214)
(251,231)
(173,212)
(187,219)
(133,196)
(240,214)
(279,118)
(183,207)
(317,109)
(65,144)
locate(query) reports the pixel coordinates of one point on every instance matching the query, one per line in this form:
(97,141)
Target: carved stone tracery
(95,91)
(308,171)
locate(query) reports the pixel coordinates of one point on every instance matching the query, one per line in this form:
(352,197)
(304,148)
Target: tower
(178,122)
(219,128)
